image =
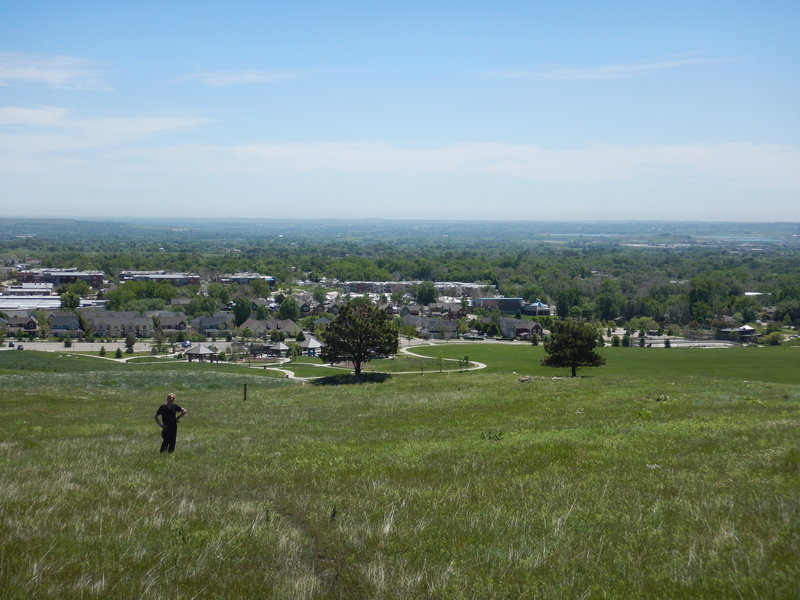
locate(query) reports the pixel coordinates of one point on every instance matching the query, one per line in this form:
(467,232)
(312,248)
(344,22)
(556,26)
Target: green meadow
(668,473)
(780,364)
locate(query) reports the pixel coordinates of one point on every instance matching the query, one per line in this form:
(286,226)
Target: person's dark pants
(168,436)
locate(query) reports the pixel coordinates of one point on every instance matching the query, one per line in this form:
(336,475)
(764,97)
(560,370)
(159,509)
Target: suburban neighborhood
(33,302)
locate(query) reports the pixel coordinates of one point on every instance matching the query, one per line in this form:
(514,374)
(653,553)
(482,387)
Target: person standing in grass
(167,417)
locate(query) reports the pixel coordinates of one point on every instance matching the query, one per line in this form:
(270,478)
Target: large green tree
(220,292)
(360,332)
(70,300)
(425,293)
(241,310)
(260,288)
(289,309)
(572,344)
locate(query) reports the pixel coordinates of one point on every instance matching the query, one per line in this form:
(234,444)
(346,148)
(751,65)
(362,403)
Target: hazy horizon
(232,219)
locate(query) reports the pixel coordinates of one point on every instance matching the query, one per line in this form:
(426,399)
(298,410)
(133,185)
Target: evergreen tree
(241,310)
(572,344)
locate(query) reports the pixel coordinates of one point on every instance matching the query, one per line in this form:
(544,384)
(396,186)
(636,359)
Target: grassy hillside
(659,480)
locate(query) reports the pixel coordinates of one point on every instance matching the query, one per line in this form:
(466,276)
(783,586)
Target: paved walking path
(474,365)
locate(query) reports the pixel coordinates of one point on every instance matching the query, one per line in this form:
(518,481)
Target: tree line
(585,280)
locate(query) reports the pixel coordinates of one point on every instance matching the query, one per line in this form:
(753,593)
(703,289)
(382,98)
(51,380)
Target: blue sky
(441,110)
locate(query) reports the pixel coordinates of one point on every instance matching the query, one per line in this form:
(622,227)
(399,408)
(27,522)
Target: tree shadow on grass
(350,379)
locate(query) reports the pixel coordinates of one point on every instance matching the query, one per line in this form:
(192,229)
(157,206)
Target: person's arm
(183,412)
(158,421)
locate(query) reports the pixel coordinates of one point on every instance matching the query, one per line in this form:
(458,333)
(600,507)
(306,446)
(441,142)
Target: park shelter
(310,346)
(201,353)
(278,349)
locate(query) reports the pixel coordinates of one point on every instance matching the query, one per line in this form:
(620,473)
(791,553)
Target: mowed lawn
(653,477)
(771,364)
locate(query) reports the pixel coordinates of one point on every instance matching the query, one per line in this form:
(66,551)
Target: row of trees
(585,281)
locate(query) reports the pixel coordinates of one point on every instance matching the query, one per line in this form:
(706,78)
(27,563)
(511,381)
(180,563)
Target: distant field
(666,474)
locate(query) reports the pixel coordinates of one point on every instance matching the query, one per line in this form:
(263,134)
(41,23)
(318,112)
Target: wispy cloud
(745,164)
(607,72)
(46,116)
(41,140)
(243,77)
(36,133)
(61,72)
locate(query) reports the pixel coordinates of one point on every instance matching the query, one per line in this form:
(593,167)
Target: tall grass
(460,485)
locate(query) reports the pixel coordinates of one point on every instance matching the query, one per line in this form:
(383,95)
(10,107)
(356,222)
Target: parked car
(10,344)
(20,347)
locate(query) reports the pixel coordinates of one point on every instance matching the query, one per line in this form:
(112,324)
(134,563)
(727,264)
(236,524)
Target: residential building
(22,323)
(64,324)
(106,323)
(264,328)
(169,322)
(431,327)
(447,310)
(519,328)
(220,324)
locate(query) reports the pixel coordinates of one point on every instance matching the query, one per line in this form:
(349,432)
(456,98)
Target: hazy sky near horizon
(443,110)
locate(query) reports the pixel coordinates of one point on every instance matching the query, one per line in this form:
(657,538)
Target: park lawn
(152,358)
(310,370)
(109,353)
(32,360)
(223,368)
(498,357)
(313,367)
(769,363)
(459,485)
(309,360)
(402,363)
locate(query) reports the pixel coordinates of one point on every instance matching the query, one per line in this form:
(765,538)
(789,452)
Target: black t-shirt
(169,414)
